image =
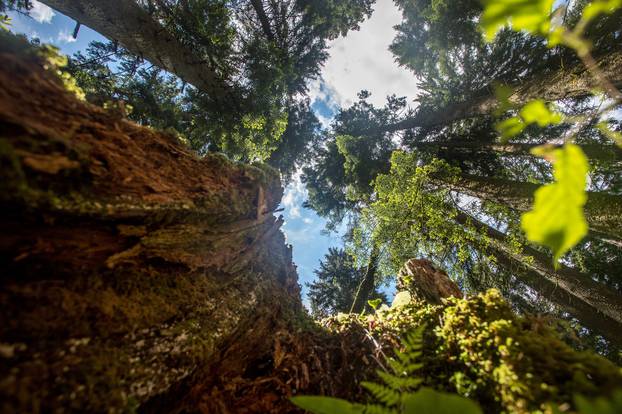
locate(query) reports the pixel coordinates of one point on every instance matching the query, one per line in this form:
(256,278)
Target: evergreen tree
(336,285)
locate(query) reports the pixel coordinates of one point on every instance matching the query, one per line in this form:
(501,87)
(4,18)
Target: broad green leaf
(510,127)
(557,219)
(429,401)
(600,405)
(327,405)
(530,15)
(536,112)
(374,303)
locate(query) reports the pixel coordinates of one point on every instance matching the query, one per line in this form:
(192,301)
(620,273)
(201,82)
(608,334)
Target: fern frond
(399,383)
(386,395)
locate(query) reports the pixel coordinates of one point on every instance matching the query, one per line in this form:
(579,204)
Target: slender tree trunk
(566,83)
(263,18)
(596,306)
(368,283)
(603,211)
(593,151)
(126,22)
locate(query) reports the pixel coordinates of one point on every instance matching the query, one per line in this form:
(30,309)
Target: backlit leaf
(557,220)
(530,15)
(536,112)
(427,400)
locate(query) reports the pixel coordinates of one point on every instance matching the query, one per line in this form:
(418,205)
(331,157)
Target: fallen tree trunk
(129,265)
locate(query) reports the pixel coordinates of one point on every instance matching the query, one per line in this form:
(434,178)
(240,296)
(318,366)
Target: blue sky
(359,61)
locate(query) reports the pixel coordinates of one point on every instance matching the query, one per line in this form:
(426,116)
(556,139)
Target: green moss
(480,349)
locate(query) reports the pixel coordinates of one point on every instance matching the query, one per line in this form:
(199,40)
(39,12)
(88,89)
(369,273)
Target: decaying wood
(130,266)
(425,282)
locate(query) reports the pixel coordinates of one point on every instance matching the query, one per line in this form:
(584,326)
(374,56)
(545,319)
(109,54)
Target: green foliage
(337,280)
(534,112)
(530,15)
(480,349)
(557,219)
(615,136)
(5,22)
(327,405)
(600,405)
(430,401)
(399,393)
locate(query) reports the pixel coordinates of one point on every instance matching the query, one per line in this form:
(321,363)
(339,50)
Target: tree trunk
(368,283)
(567,83)
(126,22)
(603,211)
(129,265)
(593,151)
(425,282)
(592,303)
(263,18)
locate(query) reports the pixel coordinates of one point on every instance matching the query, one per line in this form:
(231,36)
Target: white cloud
(41,13)
(362,60)
(65,37)
(294,196)
(307,220)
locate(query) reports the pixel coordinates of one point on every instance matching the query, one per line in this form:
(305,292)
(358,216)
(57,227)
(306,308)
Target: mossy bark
(129,265)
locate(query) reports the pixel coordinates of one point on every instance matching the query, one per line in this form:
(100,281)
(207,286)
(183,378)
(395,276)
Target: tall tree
(336,285)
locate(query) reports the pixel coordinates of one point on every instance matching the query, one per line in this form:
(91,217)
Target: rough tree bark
(595,305)
(129,265)
(425,282)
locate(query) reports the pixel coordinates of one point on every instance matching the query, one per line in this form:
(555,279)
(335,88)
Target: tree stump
(425,282)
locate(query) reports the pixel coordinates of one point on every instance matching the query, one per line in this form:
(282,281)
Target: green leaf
(327,405)
(557,219)
(427,401)
(384,395)
(530,15)
(510,127)
(536,112)
(600,405)
(5,22)
(374,303)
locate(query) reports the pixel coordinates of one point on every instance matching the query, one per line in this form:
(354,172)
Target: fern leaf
(385,395)
(399,383)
